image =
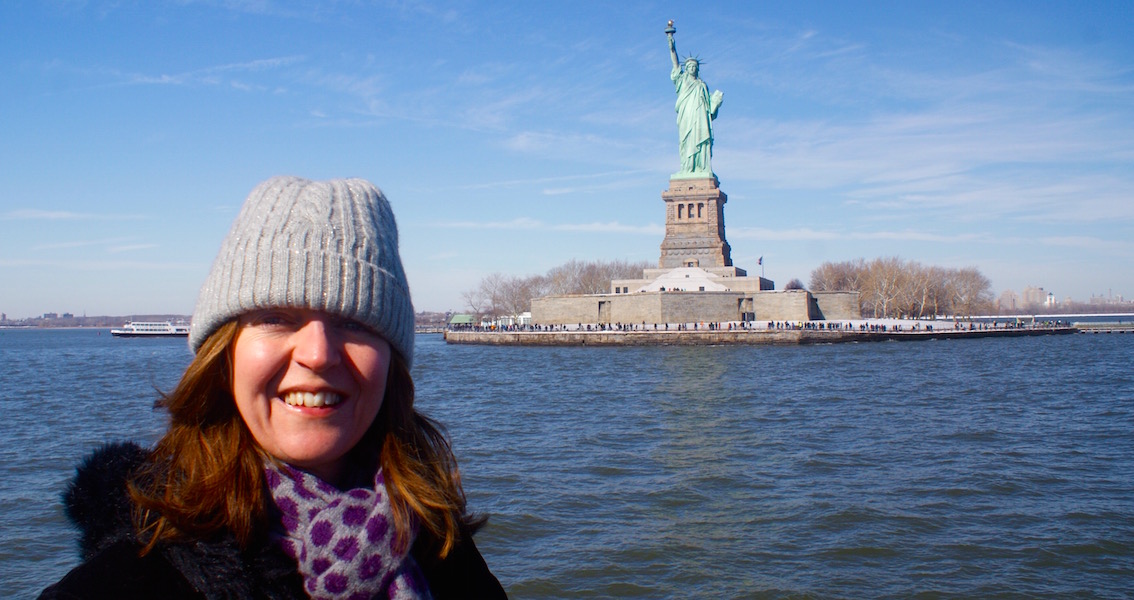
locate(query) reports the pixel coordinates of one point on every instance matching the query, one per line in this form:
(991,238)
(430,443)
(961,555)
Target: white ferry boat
(151,329)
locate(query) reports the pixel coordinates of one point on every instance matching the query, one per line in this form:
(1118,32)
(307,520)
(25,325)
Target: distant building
(1008,302)
(1108,299)
(460,320)
(1034,296)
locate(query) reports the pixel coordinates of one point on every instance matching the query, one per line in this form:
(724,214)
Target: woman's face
(308,385)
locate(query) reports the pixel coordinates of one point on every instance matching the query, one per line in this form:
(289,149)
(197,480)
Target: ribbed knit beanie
(323,245)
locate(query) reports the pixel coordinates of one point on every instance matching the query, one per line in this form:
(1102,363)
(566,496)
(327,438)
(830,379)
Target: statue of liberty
(696,110)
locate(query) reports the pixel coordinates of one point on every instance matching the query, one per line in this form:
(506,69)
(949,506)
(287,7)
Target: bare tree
(834,277)
(927,290)
(562,279)
(892,287)
(509,295)
(883,285)
(517,293)
(972,292)
(488,297)
(474,301)
(595,277)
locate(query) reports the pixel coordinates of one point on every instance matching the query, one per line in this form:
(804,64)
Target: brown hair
(206,474)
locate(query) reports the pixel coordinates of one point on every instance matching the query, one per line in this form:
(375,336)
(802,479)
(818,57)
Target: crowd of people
(849,326)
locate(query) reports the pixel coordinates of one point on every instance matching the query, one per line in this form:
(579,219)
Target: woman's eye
(353,326)
(270,319)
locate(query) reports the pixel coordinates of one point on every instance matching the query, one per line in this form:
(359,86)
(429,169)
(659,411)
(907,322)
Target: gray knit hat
(324,245)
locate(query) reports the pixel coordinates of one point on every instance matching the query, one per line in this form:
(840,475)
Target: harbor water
(986,468)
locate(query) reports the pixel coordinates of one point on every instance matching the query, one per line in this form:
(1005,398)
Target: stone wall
(650,307)
(673,307)
(785,305)
(836,306)
(694,307)
(562,310)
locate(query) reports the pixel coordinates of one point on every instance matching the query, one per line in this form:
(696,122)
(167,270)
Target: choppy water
(993,468)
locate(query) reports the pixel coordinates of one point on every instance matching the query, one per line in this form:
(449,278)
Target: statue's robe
(695,113)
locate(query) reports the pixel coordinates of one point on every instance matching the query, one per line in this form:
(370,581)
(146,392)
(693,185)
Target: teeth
(309,399)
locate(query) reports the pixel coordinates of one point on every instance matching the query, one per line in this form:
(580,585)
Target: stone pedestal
(694,225)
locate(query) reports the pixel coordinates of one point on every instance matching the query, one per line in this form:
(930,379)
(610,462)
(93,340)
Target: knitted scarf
(344,542)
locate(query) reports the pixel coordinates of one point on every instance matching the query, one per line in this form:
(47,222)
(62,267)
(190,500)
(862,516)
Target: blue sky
(513,137)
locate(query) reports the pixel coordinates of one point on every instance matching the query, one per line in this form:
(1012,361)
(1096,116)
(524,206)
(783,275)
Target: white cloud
(518,223)
(36,214)
(78,244)
(613,227)
(130,248)
(100,265)
(530,224)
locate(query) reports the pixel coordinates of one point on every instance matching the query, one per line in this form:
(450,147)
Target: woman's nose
(315,345)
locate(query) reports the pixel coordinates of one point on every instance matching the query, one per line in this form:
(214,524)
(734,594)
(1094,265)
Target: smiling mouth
(312,399)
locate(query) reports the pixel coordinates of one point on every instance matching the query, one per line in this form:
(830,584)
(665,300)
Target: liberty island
(696,295)
(695,281)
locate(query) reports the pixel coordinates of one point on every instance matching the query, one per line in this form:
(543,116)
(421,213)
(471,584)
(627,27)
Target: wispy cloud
(809,235)
(130,248)
(234,75)
(43,215)
(80,244)
(1089,242)
(519,223)
(529,224)
(613,227)
(1004,160)
(485,73)
(1071,72)
(912,235)
(100,265)
(35,214)
(1027,133)
(211,75)
(540,181)
(498,111)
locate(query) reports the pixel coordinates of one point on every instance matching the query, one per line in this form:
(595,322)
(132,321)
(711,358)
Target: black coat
(98,504)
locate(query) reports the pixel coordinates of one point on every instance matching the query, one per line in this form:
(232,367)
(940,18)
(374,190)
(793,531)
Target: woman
(294,464)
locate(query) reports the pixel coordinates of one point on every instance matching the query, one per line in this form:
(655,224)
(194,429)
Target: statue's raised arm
(696,110)
(669,31)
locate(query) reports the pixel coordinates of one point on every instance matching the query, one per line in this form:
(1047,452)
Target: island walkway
(759,332)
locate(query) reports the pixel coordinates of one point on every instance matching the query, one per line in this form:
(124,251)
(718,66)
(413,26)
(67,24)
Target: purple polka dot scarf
(343,541)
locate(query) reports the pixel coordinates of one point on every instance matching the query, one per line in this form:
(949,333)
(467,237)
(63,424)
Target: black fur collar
(98,504)
(96,501)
